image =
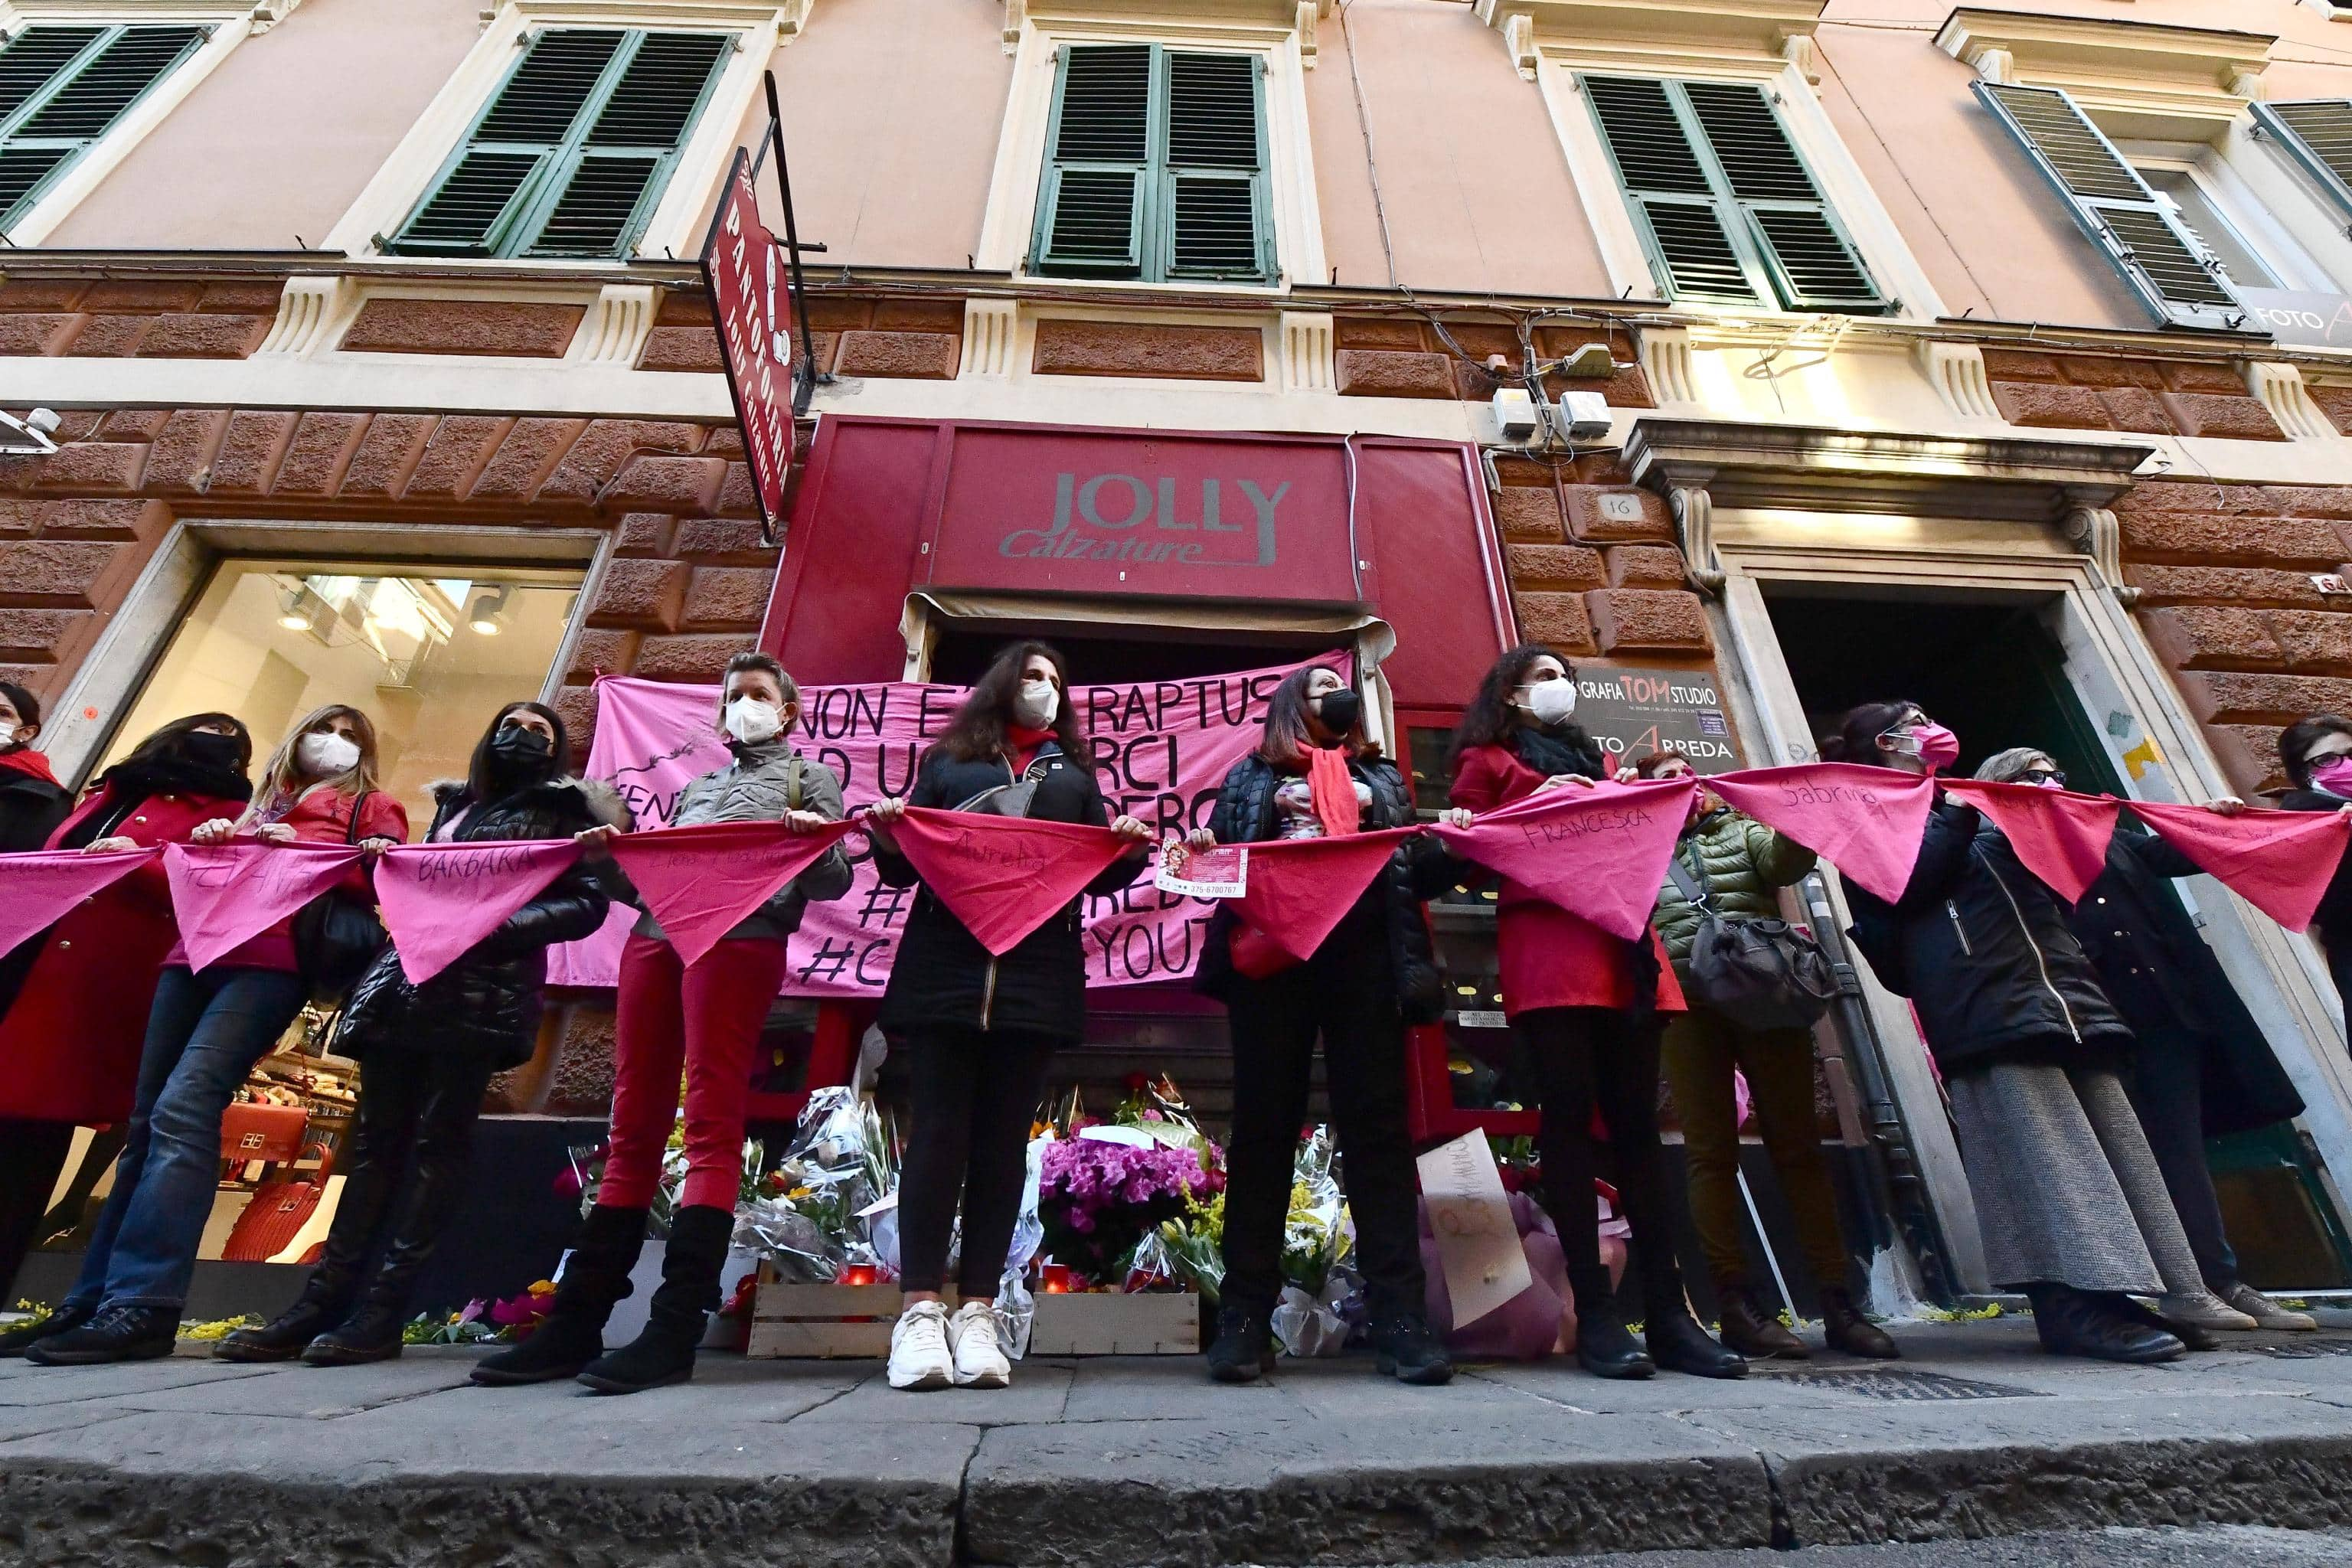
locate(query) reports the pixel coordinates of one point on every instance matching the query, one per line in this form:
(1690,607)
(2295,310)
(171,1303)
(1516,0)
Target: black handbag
(1760,974)
(336,936)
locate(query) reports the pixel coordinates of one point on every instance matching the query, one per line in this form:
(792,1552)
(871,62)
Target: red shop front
(916,548)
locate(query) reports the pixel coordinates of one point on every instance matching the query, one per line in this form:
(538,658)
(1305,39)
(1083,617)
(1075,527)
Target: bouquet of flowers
(807,1214)
(1097,1199)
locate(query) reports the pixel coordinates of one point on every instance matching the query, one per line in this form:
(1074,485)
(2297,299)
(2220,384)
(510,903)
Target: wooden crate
(829,1321)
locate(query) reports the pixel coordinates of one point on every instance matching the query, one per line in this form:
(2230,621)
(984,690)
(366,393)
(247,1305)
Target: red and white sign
(751,280)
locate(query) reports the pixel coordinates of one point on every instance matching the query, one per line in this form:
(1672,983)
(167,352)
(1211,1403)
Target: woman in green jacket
(1742,864)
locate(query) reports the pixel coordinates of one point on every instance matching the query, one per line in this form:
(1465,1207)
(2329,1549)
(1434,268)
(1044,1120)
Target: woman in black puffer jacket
(1313,775)
(428,1052)
(980,1030)
(2069,1203)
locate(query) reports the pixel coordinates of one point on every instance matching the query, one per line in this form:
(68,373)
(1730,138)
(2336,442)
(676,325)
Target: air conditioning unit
(1583,415)
(1514,415)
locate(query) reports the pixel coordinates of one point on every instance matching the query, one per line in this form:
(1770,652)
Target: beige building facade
(1807,350)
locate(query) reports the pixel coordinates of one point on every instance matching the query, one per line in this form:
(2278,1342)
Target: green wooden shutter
(1813,263)
(1216,195)
(1684,224)
(2164,263)
(2316,133)
(1098,184)
(63,89)
(571,156)
(1155,167)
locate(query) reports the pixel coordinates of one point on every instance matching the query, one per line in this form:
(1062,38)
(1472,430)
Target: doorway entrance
(1996,671)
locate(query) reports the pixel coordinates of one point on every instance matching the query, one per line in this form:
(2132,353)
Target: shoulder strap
(352,829)
(1685,883)
(794,773)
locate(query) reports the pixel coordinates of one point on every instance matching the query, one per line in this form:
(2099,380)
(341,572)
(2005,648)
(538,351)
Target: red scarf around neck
(1333,789)
(1023,741)
(25,760)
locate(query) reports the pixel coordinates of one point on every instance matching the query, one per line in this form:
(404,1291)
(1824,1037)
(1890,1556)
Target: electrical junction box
(1584,415)
(1514,415)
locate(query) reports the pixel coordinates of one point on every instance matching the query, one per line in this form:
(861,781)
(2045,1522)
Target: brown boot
(1847,1329)
(1754,1333)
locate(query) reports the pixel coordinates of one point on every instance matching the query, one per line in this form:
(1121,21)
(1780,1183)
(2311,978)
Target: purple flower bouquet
(1097,1199)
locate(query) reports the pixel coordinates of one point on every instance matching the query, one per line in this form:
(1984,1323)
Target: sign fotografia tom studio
(1633,711)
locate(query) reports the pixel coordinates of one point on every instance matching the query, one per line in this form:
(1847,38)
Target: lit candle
(1054,1279)
(857,1274)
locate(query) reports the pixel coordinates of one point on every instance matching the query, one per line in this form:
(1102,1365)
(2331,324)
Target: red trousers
(707,1021)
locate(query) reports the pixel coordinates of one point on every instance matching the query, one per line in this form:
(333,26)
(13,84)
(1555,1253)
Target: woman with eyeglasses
(207,1030)
(2070,1203)
(2200,1066)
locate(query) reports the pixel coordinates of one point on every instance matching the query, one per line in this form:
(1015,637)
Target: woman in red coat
(1586,1005)
(70,1043)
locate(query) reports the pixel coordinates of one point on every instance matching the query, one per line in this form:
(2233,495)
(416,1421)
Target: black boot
(117,1333)
(1605,1347)
(439,1162)
(1242,1351)
(25,1336)
(2188,1334)
(325,1301)
(682,1305)
(1847,1329)
(1676,1342)
(572,1333)
(1754,1332)
(1404,1348)
(2081,1324)
(370,1333)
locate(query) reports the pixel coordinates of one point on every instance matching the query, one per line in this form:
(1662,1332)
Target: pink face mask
(1935,747)
(2334,776)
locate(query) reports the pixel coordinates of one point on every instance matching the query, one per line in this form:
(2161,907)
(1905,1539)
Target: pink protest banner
(1003,877)
(1598,852)
(1299,888)
(225,895)
(39,888)
(1161,748)
(2279,861)
(439,900)
(2061,836)
(1865,821)
(699,883)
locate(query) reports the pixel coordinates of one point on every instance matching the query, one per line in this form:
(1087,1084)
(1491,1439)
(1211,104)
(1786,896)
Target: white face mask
(1039,701)
(750,721)
(326,754)
(1552,701)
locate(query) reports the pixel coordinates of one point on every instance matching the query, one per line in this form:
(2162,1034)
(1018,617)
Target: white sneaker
(918,1348)
(979,1349)
(2203,1310)
(2267,1313)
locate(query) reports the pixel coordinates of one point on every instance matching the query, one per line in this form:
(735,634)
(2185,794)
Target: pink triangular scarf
(699,883)
(1598,852)
(1299,888)
(2279,861)
(440,900)
(40,887)
(2061,836)
(1865,821)
(225,895)
(1003,877)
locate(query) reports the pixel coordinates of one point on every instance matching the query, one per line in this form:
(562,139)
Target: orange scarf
(1333,789)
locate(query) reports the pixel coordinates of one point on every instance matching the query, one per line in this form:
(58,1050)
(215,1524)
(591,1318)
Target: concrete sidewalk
(1132,1461)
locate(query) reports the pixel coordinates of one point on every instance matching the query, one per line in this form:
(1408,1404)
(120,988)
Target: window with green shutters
(2166,265)
(571,156)
(1155,167)
(63,89)
(2318,134)
(1725,204)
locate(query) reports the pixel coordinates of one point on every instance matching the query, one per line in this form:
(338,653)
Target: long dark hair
(1490,719)
(977,731)
(163,745)
(480,781)
(2296,740)
(1855,739)
(1287,740)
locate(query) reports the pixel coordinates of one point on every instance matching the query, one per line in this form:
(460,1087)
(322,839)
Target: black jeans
(1344,994)
(2167,1089)
(405,1168)
(1586,1057)
(973,1095)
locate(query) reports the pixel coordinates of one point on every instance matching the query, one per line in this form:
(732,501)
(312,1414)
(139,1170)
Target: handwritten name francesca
(1595,822)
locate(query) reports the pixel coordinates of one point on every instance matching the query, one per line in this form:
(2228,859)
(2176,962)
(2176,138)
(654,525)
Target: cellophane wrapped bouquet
(808,1216)
(1105,1189)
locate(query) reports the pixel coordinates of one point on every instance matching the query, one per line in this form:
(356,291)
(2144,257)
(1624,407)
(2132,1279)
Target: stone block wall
(2164,397)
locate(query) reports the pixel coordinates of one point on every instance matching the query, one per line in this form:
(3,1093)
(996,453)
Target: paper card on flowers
(1133,1137)
(1219,873)
(1470,1215)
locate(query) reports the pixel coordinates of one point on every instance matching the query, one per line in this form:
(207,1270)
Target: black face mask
(1339,711)
(219,753)
(517,749)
